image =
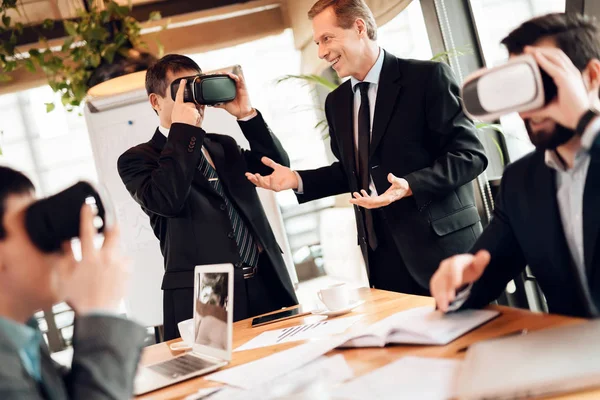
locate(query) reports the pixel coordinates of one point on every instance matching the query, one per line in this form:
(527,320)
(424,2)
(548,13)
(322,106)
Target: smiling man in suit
(547,211)
(201,207)
(406,151)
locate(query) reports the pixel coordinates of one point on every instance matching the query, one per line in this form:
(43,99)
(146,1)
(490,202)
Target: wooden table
(379,304)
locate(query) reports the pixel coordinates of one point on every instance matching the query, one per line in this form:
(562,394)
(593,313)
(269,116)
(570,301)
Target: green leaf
(48,24)
(109,53)
(34,53)
(161,48)
(70,28)
(29,65)
(444,56)
(6,20)
(50,107)
(67,44)
(95,60)
(154,16)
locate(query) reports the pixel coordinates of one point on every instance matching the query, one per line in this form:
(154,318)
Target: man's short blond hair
(347,12)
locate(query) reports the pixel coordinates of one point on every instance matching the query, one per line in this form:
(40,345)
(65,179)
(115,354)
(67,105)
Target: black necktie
(364,141)
(247,245)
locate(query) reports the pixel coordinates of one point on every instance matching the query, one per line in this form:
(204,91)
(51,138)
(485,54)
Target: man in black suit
(405,149)
(547,212)
(202,209)
(106,346)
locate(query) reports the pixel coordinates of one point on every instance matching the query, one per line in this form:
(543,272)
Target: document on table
(255,373)
(422,325)
(300,332)
(311,380)
(408,378)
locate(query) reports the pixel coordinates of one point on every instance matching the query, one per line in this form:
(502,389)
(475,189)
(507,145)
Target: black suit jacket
(188,216)
(527,230)
(419,133)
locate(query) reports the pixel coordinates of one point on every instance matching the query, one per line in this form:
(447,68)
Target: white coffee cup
(335,297)
(186,331)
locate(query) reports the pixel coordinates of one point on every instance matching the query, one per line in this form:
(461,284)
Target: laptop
(540,363)
(213,330)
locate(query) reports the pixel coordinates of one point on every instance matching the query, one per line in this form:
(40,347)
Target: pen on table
(512,333)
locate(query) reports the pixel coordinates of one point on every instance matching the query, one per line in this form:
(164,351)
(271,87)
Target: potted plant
(101,43)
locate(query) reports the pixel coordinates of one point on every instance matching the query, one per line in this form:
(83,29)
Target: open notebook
(422,325)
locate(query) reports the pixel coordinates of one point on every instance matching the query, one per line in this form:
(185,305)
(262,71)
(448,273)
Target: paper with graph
(300,332)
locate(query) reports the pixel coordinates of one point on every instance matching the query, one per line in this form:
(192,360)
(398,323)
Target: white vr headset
(519,85)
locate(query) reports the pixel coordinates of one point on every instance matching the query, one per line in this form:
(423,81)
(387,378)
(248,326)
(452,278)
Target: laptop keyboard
(180,366)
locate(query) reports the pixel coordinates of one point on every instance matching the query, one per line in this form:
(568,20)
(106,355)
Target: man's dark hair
(11,183)
(157,73)
(576,35)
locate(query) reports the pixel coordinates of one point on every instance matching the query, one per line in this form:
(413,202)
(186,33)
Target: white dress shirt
(373,78)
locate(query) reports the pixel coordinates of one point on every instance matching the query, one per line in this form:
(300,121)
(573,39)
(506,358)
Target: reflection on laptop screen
(212,306)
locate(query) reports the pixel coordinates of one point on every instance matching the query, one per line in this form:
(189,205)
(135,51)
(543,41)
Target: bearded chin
(550,140)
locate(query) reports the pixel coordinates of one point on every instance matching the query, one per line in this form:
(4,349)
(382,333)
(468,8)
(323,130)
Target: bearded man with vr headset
(201,206)
(547,214)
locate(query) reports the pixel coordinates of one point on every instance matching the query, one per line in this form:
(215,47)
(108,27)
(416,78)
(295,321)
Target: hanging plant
(102,35)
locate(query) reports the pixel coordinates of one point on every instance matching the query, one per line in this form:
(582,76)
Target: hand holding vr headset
(221,90)
(544,80)
(97,281)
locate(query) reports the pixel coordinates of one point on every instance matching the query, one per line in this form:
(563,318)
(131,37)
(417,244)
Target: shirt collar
(374,73)
(163,130)
(21,336)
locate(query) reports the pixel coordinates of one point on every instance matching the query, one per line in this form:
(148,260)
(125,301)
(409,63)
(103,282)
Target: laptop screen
(213,310)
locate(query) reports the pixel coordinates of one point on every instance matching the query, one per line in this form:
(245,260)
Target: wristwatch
(585,119)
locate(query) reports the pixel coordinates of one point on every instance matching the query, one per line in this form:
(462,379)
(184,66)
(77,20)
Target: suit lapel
(387,93)
(52,381)
(591,211)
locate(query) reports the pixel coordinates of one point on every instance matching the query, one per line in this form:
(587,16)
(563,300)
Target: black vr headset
(51,221)
(206,89)
(517,86)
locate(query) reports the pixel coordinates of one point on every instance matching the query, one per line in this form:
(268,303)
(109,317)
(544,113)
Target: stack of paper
(407,378)
(256,373)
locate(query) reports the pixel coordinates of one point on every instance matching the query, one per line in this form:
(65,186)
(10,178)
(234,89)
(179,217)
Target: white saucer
(341,311)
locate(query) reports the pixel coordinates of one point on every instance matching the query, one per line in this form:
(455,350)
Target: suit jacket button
(190,150)
(223,207)
(193,139)
(230,235)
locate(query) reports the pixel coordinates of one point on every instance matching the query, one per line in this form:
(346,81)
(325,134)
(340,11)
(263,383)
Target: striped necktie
(247,245)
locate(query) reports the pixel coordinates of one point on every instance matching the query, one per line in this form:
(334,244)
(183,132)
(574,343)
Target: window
(494,19)
(405,35)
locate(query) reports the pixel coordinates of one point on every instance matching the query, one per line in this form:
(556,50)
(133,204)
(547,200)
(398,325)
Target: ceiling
(33,12)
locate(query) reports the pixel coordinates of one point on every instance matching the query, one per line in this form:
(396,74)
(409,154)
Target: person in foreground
(406,151)
(106,346)
(547,212)
(201,207)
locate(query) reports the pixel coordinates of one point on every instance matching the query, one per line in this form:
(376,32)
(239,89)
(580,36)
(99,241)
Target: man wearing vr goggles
(547,214)
(106,346)
(201,207)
